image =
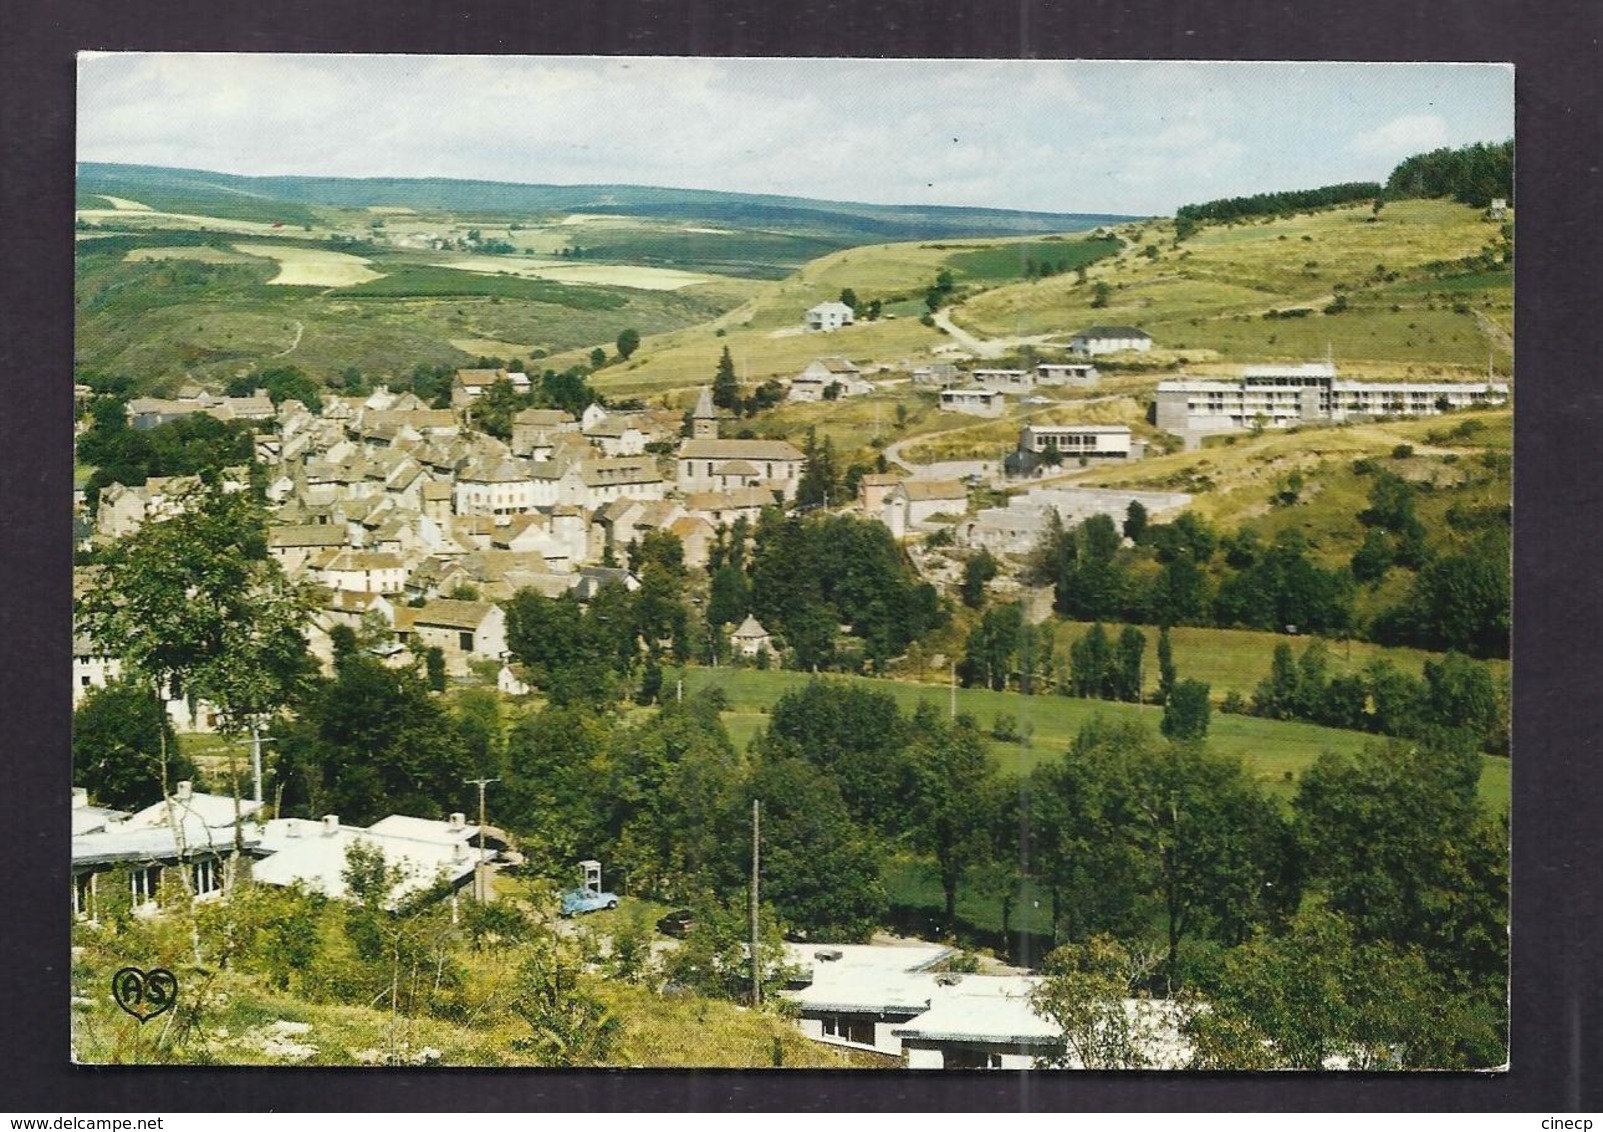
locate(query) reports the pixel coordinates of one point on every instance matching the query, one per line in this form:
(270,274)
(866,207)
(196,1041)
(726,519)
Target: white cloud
(1055,135)
(1402,136)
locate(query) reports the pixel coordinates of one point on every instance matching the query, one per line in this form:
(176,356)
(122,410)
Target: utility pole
(756,960)
(481,783)
(954,689)
(256,760)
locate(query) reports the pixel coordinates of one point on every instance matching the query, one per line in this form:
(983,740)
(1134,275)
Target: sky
(1057,136)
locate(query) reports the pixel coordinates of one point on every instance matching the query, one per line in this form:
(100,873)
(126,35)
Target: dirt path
(984,347)
(1496,333)
(300,328)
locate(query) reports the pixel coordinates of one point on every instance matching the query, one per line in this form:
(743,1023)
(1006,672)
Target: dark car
(676,924)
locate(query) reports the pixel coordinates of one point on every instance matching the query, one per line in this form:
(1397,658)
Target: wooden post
(756,960)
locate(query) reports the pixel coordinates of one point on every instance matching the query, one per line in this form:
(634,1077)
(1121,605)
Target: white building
(815,381)
(1004,380)
(1277,396)
(912,502)
(730,465)
(1094,340)
(1066,373)
(315,854)
(975,402)
(1097,441)
(829,316)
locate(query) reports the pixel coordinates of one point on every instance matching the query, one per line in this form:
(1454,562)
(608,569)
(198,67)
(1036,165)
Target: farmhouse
(912,502)
(468,385)
(975,402)
(815,382)
(1094,340)
(462,630)
(828,316)
(940,375)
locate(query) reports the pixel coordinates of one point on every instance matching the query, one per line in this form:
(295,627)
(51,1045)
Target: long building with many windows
(1277,396)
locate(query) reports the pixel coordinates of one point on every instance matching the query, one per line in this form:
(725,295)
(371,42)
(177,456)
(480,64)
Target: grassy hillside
(1274,752)
(1402,272)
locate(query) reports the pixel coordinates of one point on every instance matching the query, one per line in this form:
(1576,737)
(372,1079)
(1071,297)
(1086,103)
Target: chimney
(80,797)
(186,790)
(459,820)
(292,828)
(331,825)
(460,850)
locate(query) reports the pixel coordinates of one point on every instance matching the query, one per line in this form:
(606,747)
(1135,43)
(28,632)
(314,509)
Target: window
(963,1058)
(145,885)
(858,1031)
(83,896)
(207,875)
(84,680)
(464,641)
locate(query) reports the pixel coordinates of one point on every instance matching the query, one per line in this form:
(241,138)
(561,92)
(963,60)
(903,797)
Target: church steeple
(704,418)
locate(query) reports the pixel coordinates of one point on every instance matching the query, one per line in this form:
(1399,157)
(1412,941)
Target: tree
(193,604)
(569,1023)
(370,742)
(991,651)
(1167,674)
(119,736)
(628,343)
(725,387)
(1084,991)
(849,297)
(1102,293)
(1135,522)
(1185,713)
(1320,996)
(1386,832)
(557,768)
(1090,661)
(951,773)
(856,736)
(1125,673)
(817,868)
(977,571)
(598,358)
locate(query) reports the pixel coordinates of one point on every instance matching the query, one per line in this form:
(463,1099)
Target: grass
(1005,262)
(1274,752)
(434,282)
(1211,291)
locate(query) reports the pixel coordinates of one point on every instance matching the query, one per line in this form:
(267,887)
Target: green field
(444,282)
(1006,262)
(1274,752)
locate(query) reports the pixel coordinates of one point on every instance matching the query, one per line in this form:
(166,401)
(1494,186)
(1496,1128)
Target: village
(413,529)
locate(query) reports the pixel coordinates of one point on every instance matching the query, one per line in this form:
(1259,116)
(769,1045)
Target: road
(984,347)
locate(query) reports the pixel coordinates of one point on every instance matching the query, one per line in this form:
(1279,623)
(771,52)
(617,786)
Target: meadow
(1274,752)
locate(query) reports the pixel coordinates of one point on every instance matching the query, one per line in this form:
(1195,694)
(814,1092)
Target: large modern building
(1277,396)
(1072,440)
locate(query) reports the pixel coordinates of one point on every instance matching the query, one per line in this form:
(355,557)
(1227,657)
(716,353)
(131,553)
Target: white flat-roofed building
(1094,340)
(1282,395)
(315,854)
(1004,380)
(1072,440)
(974,402)
(856,994)
(1066,373)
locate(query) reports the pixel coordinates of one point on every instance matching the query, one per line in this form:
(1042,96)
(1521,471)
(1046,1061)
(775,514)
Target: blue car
(578,901)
